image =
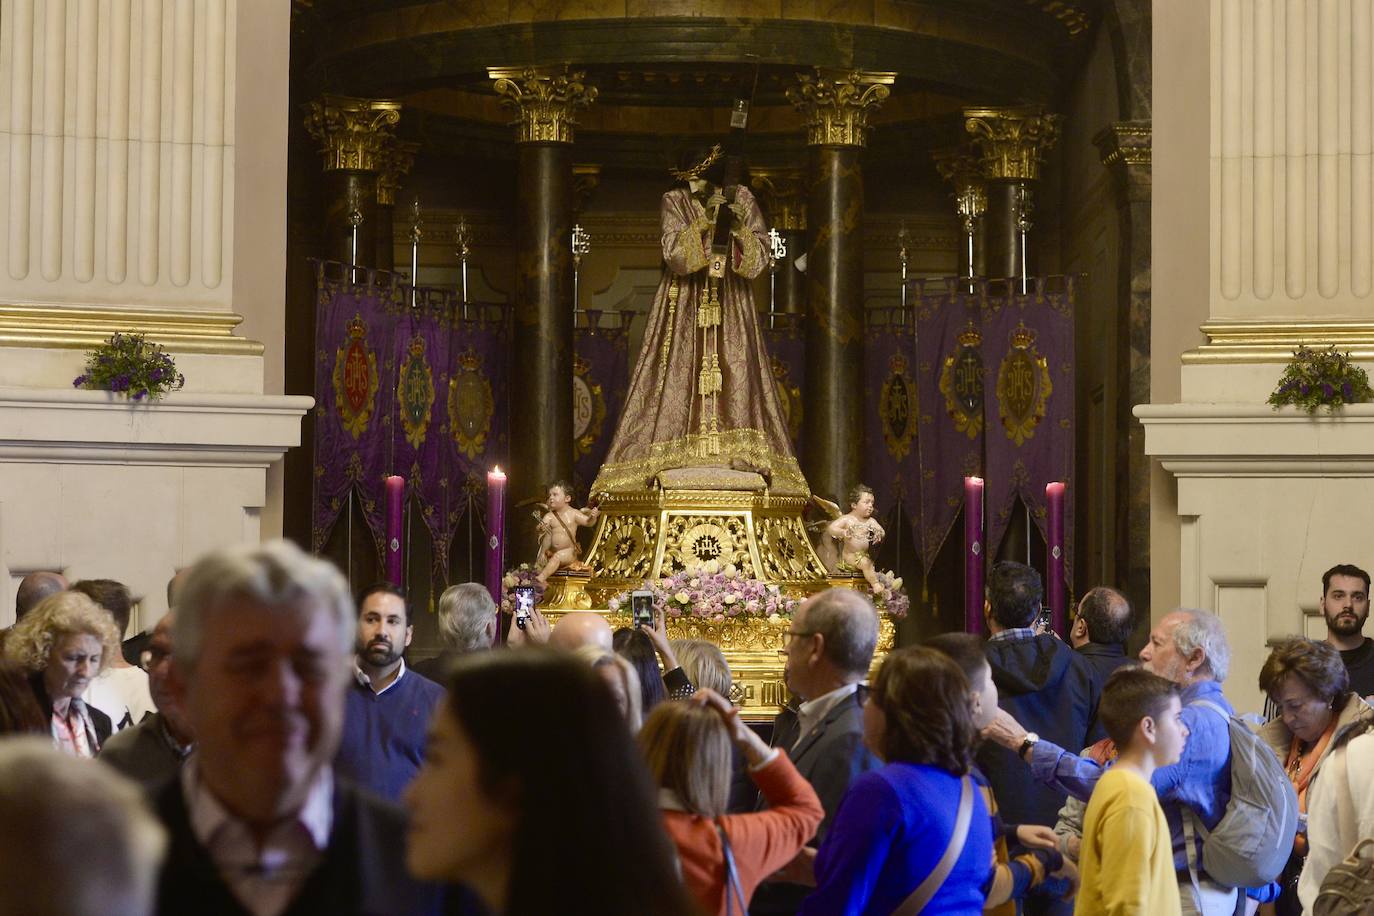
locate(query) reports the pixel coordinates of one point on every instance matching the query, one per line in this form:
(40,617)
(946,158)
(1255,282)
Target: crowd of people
(267,749)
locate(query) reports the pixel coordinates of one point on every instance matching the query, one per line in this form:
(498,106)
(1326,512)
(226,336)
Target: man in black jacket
(1042,682)
(829,648)
(258,821)
(1100,630)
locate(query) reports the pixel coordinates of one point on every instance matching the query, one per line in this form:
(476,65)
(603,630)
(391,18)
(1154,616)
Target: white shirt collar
(810,713)
(208,815)
(366,681)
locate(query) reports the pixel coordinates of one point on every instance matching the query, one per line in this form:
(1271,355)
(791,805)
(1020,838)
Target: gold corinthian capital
(1012,141)
(545,99)
(961,167)
(836,104)
(782,191)
(393,161)
(352,132)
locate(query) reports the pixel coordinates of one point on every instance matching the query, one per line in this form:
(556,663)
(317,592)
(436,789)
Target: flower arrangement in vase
(1321,378)
(713,592)
(131,365)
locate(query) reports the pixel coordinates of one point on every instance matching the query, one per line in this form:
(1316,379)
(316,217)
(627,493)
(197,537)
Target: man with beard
(387,708)
(1345,605)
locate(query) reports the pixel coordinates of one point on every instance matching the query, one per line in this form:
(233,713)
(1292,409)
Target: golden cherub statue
(558,547)
(846,540)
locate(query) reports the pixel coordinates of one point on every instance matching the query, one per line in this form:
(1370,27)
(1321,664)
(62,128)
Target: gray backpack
(1348,888)
(1254,838)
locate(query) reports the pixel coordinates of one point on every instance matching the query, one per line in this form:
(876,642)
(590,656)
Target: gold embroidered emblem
(1023,386)
(416,392)
(355,378)
(897,408)
(961,382)
(589,408)
(470,405)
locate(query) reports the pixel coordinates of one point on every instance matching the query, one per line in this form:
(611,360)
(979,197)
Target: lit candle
(973,554)
(1054,546)
(395,506)
(496,532)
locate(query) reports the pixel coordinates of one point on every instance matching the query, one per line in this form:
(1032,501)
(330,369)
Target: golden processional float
(700,482)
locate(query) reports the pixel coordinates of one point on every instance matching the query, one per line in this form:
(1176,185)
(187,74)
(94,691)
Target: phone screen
(524,603)
(642,608)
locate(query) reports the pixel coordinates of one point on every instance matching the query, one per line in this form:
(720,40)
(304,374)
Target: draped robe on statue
(702,393)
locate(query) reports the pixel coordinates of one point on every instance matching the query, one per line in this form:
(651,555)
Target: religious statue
(702,392)
(558,547)
(846,540)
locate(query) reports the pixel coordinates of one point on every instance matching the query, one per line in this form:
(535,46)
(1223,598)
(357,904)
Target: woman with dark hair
(19,712)
(724,856)
(64,642)
(913,836)
(637,649)
(1307,682)
(534,795)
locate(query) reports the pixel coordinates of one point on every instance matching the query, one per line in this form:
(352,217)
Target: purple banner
(1029,403)
(601,375)
(950,365)
(411,382)
(785,337)
(892,465)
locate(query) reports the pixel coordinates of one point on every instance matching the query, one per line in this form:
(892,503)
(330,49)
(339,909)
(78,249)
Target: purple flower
(140,394)
(1305,389)
(1347,391)
(80,380)
(1327,390)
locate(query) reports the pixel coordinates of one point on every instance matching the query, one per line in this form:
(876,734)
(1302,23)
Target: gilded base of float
(651,534)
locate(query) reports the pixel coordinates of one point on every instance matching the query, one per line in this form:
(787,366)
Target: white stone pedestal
(1267,501)
(98,488)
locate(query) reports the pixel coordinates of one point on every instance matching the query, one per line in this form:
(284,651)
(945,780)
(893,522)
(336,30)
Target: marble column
(1125,150)
(962,169)
(352,134)
(836,106)
(546,102)
(1011,144)
(394,162)
(782,193)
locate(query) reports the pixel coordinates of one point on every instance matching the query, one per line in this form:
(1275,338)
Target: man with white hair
(262,653)
(1188,647)
(467,623)
(78,839)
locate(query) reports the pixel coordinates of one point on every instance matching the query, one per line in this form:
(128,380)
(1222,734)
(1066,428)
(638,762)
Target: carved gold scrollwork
(784,550)
(783,195)
(545,99)
(695,540)
(352,132)
(394,160)
(628,546)
(836,104)
(1012,141)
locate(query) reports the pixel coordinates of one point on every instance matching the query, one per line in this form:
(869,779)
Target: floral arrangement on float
(130,365)
(888,594)
(713,592)
(1321,378)
(521,576)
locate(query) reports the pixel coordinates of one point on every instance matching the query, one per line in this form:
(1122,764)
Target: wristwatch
(1027,743)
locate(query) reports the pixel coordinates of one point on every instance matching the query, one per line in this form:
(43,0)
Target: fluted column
(545,102)
(1125,150)
(961,167)
(783,194)
(1011,143)
(394,162)
(352,134)
(836,106)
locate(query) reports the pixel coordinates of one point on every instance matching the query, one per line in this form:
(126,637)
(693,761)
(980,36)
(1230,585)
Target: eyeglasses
(789,636)
(149,659)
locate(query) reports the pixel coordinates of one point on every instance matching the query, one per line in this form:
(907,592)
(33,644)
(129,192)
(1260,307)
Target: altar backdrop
(996,394)
(410,385)
(601,376)
(891,464)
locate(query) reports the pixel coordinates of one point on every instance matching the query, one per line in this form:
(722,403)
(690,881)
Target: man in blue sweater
(387,708)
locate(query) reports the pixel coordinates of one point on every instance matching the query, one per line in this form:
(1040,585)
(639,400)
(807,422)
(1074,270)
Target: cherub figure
(855,533)
(558,547)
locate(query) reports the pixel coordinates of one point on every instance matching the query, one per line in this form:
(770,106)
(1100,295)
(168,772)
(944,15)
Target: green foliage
(1321,378)
(132,366)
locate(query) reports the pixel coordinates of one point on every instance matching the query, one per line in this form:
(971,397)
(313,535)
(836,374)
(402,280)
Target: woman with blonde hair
(63,643)
(724,856)
(704,664)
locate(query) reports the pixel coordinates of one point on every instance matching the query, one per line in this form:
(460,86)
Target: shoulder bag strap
(733,891)
(935,880)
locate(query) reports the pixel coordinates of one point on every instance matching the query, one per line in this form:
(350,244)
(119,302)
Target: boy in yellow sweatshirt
(1127,859)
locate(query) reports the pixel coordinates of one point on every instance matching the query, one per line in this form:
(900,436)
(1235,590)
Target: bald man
(581,628)
(33,588)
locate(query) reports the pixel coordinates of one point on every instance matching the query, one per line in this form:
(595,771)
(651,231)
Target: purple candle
(1054,546)
(395,506)
(496,532)
(973,554)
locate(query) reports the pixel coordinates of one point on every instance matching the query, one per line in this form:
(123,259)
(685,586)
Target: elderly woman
(64,642)
(1307,682)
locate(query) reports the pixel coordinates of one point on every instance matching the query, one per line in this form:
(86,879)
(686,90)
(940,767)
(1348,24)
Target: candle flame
(496,471)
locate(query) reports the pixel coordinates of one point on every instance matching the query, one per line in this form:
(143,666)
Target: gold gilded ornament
(416,392)
(589,408)
(897,408)
(961,382)
(697,170)
(355,378)
(1023,386)
(470,405)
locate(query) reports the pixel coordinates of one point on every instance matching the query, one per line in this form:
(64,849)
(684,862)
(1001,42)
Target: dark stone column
(833,423)
(542,361)
(386,237)
(394,162)
(350,195)
(353,134)
(836,107)
(1125,149)
(1001,238)
(541,389)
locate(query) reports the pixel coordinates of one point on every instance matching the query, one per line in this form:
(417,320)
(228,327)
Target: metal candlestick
(355,219)
(903,256)
(416,233)
(581,246)
(461,237)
